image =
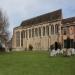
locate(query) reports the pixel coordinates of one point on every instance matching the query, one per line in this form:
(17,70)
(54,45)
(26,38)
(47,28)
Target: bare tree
(4,24)
(3,21)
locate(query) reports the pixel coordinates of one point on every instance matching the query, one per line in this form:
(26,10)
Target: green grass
(35,63)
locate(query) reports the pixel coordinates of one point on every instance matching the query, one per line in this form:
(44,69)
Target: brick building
(68,31)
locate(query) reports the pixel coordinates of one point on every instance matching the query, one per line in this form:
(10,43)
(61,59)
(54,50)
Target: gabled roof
(43,18)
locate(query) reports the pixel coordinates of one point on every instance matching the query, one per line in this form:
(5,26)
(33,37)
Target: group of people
(57,49)
(65,52)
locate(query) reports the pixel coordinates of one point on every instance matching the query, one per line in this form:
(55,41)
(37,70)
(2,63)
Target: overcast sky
(19,10)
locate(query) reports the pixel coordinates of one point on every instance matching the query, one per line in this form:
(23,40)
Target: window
(22,37)
(39,31)
(32,32)
(26,34)
(23,34)
(52,29)
(18,39)
(65,32)
(47,30)
(36,32)
(43,31)
(29,33)
(56,28)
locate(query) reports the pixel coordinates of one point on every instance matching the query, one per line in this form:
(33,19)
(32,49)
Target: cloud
(19,10)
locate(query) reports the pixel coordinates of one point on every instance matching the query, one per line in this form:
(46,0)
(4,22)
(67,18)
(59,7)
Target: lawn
(35,63)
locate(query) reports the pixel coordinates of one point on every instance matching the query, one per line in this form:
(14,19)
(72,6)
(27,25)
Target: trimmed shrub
(10,49)
(30,47)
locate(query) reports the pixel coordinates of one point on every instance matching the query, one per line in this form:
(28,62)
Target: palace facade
(43,31)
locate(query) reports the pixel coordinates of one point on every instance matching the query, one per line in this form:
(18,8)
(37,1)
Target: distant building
(41,32)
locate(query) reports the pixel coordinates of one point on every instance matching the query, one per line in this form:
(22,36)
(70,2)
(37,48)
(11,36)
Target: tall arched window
(56,28)
(33,32)
(17,39)
(39,31)
(52,29)
(29,33)
(22,37)
(36,31)
(43,31)
(26,34)
(47,30)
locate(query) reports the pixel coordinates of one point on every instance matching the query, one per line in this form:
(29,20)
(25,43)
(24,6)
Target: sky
(19,10)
